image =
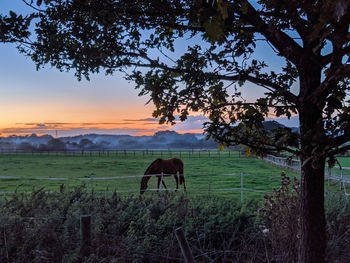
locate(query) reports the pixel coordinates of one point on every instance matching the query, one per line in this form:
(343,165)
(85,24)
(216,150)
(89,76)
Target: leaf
(214,30)
(221,147)
(331,162)
(222,7)
(248,151)
(244,8)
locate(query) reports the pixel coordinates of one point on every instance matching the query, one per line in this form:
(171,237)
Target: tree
(141,38)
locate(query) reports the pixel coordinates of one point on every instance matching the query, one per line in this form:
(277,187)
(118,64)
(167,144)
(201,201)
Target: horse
(161,168)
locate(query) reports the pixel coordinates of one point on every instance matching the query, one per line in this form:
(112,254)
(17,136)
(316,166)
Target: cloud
(144,120)
(192,123)
(146,126)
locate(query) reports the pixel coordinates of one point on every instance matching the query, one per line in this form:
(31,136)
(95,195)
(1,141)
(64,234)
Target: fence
(242,183)
(337,173)
(286,163)
(191,153)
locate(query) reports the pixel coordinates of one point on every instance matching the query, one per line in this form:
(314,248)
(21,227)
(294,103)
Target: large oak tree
(201,55)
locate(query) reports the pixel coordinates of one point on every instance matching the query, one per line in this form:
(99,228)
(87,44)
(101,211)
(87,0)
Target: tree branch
(339,150)
(270,149)
(280,40)
(328,58)
(340,73)
(251,104)
(243,77)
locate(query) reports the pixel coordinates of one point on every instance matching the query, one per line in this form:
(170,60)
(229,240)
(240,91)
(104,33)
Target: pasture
(205,172)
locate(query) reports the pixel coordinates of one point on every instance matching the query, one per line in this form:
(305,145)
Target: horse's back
(174,165)
(170,166)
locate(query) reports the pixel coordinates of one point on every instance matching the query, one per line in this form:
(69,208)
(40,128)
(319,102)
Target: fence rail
(137,152)
(337,173)
(241,185)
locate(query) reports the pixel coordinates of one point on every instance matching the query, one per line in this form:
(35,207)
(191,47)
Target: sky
(56,103)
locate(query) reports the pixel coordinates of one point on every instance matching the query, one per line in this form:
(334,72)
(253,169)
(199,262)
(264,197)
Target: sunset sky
(47,100)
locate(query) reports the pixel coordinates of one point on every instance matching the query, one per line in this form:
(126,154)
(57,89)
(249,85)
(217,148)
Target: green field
(205,172)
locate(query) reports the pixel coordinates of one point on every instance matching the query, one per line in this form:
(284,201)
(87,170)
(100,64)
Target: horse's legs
(184,182)
(160,179)
(158,184)
(177,181)
(164,185)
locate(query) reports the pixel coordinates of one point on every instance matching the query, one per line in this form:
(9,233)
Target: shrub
(44,227)
(280,221)
(337,207)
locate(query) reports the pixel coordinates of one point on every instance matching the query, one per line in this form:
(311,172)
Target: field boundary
(242,189)
(295,166)
(181,153)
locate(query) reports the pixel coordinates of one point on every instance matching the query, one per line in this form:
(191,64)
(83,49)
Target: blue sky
(47,100)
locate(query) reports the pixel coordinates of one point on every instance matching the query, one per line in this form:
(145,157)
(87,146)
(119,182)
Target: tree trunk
(313,158)
(313,223)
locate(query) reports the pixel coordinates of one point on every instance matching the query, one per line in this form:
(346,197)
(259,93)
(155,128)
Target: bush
(44,227)
(280,221)
(337,207)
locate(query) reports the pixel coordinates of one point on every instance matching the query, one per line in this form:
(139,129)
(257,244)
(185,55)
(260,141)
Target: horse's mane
(149,167)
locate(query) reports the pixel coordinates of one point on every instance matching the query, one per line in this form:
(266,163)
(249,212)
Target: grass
(204,171)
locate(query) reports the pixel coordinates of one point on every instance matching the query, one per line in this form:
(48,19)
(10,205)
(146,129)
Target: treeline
(95,142)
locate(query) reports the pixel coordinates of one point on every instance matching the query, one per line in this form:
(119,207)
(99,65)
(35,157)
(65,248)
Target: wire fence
(230,182)
(191,153)
(336,173)
(241,182)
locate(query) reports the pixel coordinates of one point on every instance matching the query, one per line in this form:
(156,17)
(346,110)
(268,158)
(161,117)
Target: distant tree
(56,145)
(86,144)
(166,133)
(311,37)
(26,147)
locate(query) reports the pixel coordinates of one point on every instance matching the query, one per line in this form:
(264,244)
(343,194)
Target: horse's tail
(182,178)
(181,172)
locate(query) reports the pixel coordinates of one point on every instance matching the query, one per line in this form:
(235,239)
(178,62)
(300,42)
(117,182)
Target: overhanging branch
(280,40)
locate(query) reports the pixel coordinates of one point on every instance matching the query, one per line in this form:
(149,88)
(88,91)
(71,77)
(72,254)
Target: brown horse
(161,168)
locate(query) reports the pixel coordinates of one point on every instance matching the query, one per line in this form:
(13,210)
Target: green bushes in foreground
(280,218)
(44,227)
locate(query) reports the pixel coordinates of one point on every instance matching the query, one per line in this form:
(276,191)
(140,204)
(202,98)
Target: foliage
(44,227)
(90,36)
(310,37)
(338,226)
(280,221)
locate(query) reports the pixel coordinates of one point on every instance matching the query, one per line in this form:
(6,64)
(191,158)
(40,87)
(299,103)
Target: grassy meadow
(204,171)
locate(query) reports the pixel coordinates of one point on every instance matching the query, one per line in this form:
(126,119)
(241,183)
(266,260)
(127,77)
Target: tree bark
(313,159)
(313,223)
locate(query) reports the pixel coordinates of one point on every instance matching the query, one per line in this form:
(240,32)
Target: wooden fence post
(85,232)
(185,248)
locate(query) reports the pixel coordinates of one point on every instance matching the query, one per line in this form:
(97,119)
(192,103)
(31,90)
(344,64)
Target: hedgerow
(44,227)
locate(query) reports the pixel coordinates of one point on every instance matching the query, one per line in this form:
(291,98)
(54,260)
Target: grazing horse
(166,167)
